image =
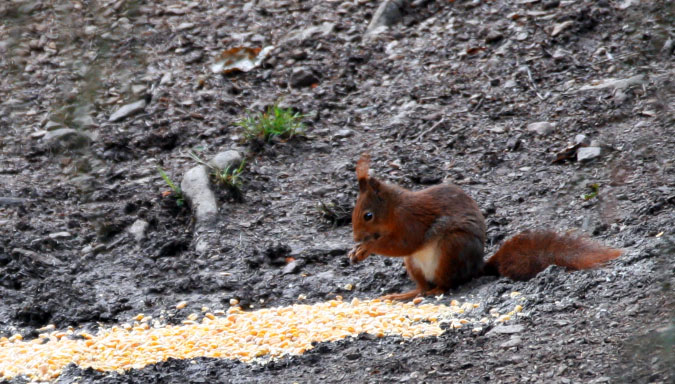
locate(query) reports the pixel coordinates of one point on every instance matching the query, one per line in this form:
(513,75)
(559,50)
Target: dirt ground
(448,94)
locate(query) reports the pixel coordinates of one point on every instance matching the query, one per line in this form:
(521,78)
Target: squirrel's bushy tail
(528,253)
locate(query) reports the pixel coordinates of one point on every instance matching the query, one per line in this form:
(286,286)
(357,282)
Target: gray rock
(84,122)
(581,139)
(343,133)
(35,257)
(542,128)
(60,235)
(302,77)
(66,138)
(197,191)
(292,267)
(505,330)
(11,201)
(388,13)
(138,229)
(127,110)
(52,125)
(513,341)
(588,153)
(615,83)
(316,30)
(223,160)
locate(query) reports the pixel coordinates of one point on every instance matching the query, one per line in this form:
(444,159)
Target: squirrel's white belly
(426,260)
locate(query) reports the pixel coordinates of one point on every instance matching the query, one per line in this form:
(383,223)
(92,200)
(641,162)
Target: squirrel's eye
(368,216)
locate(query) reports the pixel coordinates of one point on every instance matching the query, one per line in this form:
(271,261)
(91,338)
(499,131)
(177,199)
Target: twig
(430,129)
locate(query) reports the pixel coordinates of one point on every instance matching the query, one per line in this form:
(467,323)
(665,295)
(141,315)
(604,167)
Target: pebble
(225,159)
(542,128)
(343,133)
(196,188)
(558,28)
(387,14)
(127,110)
(292,267)
(60,235)
(66,138)
(614,83)
(588,153)
(11,201)
(302,77)
(505,330)
(138,229)
(581,139)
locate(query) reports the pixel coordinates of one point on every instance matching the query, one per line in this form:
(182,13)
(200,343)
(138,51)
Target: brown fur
(403,222)
(525,255)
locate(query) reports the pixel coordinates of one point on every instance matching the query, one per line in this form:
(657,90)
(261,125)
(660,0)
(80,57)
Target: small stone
(11,201)
(223,160)
(60,235)
(343,133)
(316,30)
(588,153)
(615,83)
(388,13)
(302,77)
(558,28)
(90,30)
(581,140)
(542,128)
(52,125)
(166,79)
(66,138)
(550,4)
(196,188)
(292,267)
(185,26)
(513,341)
(493,37)
(137,89)
(127,111)
(138,229)
(84,122)
(505,330)
(34,257)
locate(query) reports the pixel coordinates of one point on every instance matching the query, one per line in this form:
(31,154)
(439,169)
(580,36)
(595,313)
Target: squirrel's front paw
(359,253)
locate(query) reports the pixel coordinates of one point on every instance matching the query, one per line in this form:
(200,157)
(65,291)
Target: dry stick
(430,129)
(534,87)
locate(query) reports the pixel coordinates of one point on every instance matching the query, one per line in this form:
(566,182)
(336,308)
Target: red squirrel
(440,232)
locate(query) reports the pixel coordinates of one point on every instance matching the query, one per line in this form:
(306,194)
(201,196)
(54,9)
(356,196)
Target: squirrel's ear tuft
(362,167)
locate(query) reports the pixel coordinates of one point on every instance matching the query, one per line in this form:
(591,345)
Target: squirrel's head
(371,218)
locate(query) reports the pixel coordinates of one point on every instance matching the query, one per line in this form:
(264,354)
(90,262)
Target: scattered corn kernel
(302,296)
(515,294)
(235,334)
(234,301)
(181,305)
(417,300)
(349,287)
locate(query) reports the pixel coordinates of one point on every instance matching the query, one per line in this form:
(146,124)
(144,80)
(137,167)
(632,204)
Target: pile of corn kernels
(257,335)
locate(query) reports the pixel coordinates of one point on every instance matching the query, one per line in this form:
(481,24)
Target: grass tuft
(274,123)
(176,191)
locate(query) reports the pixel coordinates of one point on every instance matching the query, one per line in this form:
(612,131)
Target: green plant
(177,192)
(230,176)
(275,122)
(595,189)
